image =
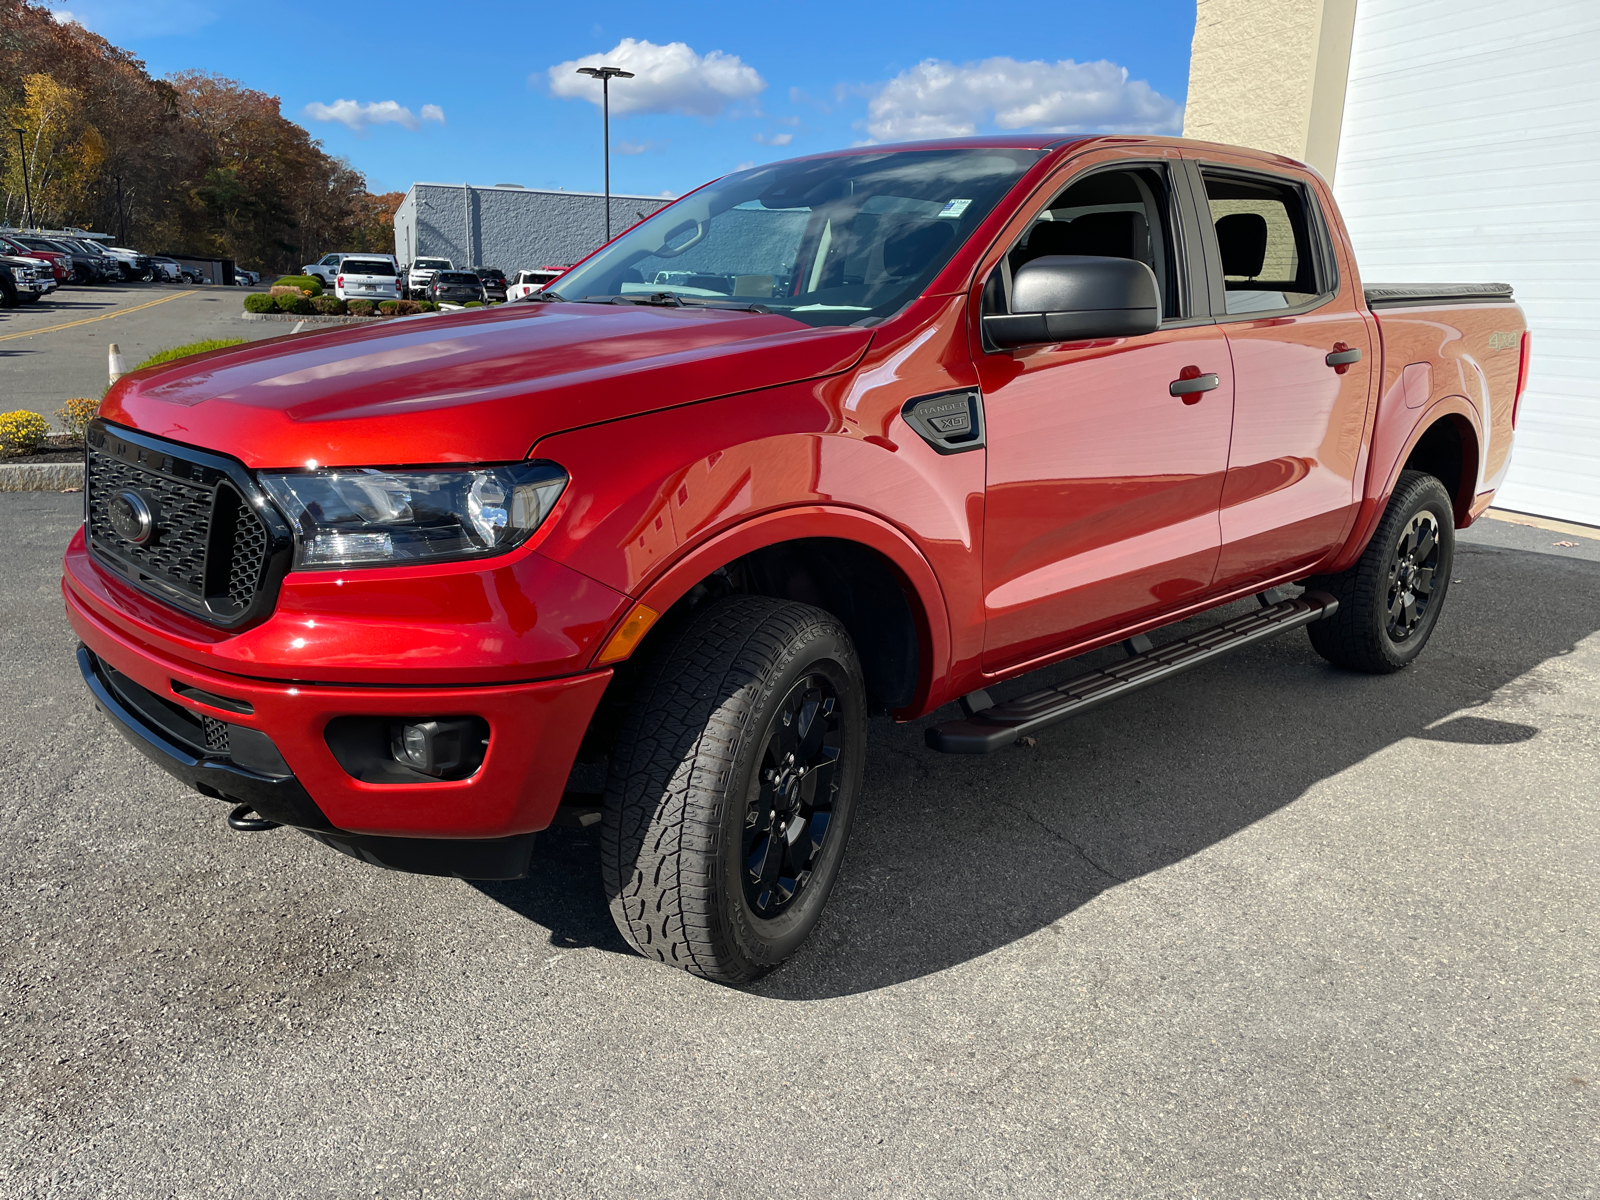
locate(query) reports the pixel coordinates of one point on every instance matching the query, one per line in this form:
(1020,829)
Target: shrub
(75,415)
(426,306)
(309,284)
(300,305)
(260,302)
(328,306)
(361,308)
(21,432)
(407,308)
(166,356)
(389,308)
(473,304)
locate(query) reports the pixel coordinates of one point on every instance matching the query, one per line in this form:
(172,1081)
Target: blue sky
(485,91)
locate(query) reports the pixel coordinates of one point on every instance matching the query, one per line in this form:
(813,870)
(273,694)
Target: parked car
(366,279)
(134,266)
(420,274)
(166,270)
(108,269)
(30,279)
(60,262)
(494,282)
(1056,395)
(526,283)
(84,267)
(455,287)
(327,267)
(246,278)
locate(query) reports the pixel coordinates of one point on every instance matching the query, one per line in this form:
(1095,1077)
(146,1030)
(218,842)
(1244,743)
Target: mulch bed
(54,454)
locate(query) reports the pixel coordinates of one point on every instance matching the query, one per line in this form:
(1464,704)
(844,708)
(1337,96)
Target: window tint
(456,277)
(365,266)
(1111,214)
(1264,236)
(432,264)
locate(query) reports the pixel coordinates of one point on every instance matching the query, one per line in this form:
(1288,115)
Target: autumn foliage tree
(194,163)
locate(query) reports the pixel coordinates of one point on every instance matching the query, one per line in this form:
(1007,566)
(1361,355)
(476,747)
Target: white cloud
(667,79)
(629,146)
(937,99)
(773,139)
(361,117)
(65,16)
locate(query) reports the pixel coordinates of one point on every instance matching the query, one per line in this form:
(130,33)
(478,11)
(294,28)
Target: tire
(1389,601)
(703,750)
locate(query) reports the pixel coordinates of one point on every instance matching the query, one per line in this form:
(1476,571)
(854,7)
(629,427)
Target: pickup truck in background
(866,432)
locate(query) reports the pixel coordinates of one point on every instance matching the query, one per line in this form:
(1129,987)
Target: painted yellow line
(1533,522)
(116,312)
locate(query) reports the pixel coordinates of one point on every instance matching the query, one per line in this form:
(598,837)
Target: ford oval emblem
(131,517)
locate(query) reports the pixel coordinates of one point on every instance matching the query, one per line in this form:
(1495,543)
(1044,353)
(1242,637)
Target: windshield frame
(882,200)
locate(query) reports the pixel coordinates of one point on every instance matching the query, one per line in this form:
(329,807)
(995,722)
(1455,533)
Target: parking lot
(55,349)
(1268,930)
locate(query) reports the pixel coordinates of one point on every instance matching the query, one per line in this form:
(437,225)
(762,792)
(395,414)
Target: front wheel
(732,787)
(1389,601)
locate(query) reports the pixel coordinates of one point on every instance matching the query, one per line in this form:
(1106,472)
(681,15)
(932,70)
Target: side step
(1001,724)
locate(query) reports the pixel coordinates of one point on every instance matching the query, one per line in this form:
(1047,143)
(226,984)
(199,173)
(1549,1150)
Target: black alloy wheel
(732,786)
(1411,576)
(786,822)
(1390,599)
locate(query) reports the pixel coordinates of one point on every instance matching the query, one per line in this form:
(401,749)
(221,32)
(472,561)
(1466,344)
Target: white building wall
(1470,151)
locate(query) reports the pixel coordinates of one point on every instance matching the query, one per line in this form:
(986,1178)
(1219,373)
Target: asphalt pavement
(56,348)
(1269,930)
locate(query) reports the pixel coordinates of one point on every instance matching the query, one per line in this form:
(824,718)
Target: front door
(1103,487)
(1303,359)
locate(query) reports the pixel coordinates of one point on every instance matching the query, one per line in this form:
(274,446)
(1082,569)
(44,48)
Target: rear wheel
(1389,601)
(732,787)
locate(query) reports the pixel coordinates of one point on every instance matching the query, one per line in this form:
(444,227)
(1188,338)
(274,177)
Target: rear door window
(367,267)
(1268,243)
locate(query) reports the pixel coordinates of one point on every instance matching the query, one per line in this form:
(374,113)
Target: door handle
(1191,384)
(1341,357)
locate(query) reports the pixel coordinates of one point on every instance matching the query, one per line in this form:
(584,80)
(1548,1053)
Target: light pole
(605,75)
(27,188)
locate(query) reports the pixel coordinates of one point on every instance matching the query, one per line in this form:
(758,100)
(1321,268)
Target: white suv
(422,272)
(366,277)
(326,267)
(525,283)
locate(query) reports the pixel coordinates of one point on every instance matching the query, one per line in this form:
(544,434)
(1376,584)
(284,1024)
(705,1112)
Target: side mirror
(1072,298)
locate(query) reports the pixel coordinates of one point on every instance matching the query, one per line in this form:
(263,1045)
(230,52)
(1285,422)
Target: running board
(1001,724)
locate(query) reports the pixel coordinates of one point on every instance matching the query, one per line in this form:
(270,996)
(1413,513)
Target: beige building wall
(1270,74)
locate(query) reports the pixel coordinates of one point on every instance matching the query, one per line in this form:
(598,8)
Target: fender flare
(818,521)
(1377,499)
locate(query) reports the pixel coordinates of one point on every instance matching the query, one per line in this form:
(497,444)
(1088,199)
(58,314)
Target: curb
(313,320)
(40,477)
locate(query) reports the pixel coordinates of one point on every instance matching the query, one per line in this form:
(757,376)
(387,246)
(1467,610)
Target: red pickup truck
(864,432)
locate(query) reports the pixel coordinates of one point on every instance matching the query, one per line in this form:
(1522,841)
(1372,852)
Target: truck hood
(469,387)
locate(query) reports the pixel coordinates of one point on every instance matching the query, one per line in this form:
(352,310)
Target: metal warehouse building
(506,226)
(1462,139)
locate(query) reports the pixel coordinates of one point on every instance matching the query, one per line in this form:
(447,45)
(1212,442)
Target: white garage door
(1471,152)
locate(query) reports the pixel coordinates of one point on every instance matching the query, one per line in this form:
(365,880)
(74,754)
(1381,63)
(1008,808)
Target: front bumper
(534,732)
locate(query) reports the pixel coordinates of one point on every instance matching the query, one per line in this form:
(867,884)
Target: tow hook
(244,820)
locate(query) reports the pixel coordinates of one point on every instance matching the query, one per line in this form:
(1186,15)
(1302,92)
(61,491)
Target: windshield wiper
(674,300)
(537,298)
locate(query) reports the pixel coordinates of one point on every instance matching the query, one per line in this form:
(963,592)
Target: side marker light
(627,637)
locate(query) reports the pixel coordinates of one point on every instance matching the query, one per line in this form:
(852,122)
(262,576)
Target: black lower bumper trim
(282,800)
(461,858)
(274,798)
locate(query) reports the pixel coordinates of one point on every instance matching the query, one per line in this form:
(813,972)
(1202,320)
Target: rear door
(1103,487)
(1303,358)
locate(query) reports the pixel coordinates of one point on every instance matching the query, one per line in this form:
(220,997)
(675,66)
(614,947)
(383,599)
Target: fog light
(439,747)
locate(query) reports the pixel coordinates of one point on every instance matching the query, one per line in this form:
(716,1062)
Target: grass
(166,356)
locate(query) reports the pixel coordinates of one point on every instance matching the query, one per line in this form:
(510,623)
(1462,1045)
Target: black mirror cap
(1071,297)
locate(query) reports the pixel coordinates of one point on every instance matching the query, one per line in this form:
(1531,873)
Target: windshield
(432,264)
(829,241)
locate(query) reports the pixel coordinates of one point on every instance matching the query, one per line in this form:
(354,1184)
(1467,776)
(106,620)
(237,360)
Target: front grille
(177,554)
(213,551)
(216,734)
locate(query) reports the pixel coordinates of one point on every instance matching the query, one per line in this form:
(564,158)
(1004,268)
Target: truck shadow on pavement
(954,857)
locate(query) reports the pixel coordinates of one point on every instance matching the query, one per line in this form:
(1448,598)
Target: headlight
(364,517)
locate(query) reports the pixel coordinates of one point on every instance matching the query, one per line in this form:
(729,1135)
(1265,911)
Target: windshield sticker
(954,208)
